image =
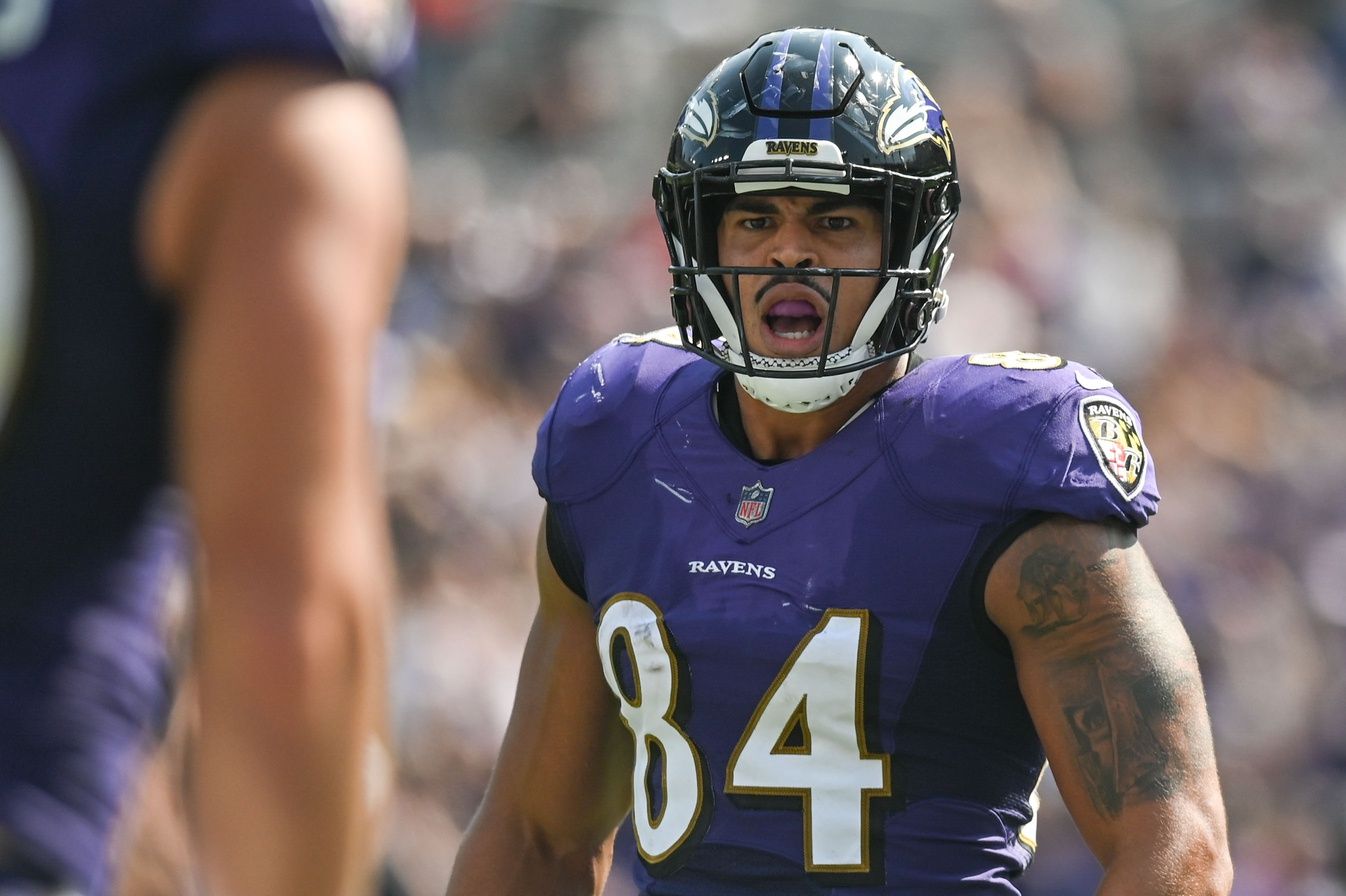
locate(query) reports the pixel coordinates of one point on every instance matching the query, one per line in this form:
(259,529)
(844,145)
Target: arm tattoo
(1052,587)
(1120,680)
(1118,708)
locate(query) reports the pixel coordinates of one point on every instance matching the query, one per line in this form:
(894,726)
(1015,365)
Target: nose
(792,245)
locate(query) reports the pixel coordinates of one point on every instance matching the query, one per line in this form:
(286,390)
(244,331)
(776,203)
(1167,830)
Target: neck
(779,435)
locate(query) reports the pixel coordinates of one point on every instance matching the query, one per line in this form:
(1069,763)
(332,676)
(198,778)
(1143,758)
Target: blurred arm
(563,780)
(1112,683)
(275,217)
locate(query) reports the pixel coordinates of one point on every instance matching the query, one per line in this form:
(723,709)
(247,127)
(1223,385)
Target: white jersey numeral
(16,261)
(632,622)
(806,740)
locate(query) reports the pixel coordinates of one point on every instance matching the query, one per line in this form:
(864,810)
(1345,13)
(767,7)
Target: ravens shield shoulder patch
(1110,429)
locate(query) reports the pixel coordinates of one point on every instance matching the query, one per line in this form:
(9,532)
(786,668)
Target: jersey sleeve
(1089,459)
(1004,434)
(365,38)
(605,412)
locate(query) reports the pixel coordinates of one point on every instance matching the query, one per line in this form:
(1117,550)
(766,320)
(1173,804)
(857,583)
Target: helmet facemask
(916,214)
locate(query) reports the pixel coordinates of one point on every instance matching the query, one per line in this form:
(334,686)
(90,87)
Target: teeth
(794,328)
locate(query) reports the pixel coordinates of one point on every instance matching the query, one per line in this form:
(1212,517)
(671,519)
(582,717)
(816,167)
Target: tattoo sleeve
(1117,713)
(1118,665)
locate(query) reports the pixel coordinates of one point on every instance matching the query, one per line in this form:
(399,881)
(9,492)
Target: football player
(814,610)
(201,223)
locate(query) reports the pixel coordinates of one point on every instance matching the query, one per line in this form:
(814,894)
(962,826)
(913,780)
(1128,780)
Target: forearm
(505,860)
(562,783)
(1137,878)
(282,783)
(1190,863)
(296,581)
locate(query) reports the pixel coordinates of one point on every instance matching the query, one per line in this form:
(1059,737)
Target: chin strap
(804,394)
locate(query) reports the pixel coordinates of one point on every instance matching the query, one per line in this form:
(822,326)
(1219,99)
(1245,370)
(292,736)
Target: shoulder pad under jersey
(606,410)
(1003,433)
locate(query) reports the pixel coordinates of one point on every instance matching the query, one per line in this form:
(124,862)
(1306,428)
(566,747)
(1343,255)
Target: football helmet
(797,111)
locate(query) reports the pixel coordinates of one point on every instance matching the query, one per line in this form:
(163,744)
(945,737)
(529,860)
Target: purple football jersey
(89,529)
(817,698)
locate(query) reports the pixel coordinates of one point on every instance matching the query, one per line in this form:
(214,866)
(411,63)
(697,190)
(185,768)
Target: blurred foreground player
(845,600)
(201,224)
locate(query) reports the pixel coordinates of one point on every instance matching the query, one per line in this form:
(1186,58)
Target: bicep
(267,161)
(1109,675)
(565,765)
(275,219)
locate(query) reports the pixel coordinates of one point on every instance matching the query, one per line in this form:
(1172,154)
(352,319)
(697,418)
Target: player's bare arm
(562,784)
(1111,680)
(275,220)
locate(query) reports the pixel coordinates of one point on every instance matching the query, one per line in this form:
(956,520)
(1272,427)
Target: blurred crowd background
(1153,187)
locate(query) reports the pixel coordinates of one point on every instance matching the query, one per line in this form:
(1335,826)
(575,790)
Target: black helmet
(820,110)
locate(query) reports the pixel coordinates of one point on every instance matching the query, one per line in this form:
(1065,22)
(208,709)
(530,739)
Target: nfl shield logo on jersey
(754,503)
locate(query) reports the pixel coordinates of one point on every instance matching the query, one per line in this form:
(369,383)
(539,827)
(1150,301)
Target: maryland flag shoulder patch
(1112,432)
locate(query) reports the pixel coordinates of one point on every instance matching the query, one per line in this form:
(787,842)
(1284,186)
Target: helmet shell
(814,84)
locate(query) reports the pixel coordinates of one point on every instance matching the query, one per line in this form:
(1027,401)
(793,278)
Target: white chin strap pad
(798,396)
(803,394)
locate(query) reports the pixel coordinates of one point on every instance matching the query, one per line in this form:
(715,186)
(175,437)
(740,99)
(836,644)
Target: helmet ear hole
(909,318)
(938,202)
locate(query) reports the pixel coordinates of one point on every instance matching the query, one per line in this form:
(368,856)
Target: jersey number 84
(806,738)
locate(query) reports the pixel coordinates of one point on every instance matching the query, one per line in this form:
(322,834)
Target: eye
(836,222)
(758,223)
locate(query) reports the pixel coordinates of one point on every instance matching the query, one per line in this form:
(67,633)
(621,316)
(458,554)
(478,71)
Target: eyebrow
(758,205)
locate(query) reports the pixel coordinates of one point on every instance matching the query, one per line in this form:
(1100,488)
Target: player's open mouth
(792,327)
(793,319)
(792,316)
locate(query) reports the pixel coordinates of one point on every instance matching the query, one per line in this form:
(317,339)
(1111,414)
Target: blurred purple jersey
(89,532)
(818,701)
